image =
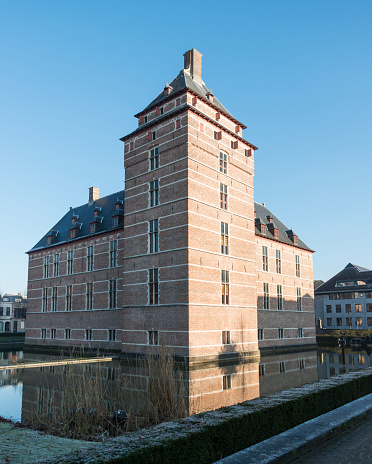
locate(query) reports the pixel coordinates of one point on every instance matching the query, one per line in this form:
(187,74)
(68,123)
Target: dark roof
(11,297)
(351,274)
(261,214)
(86,216)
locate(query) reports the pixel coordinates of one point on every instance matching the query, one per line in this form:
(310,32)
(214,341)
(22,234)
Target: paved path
(23,446)
(353,446)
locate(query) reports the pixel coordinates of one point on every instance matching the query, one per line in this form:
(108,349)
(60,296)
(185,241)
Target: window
(261,370)
(278,261)
(349,321)
(90,258)
(358,308)
(154,158)
(279,297)
(145,119)
(282,366)
(329,308)
(281,333)
(225,286)
(299,299)
(266,296)
(53,333)
(46,267)
(161,111)
(298,271)
(112,294)
(69,298)
(115,221)
(70,257)
(153,136)
(369,320)
(153,286)
(89,334)
(154,193)
(329,321)
(223,162)
(153,236)
(7,311)
(265,259)
(224,238)
(226,337)
(44,304)
(261,334)
(223,196)
(54,299)
(339,321)
(369,307)
(178,123)
(43,333)
(215,135)
(67,334)
(56,265)
(368,295)
(348,308)
(359,321)
(300,332)
(112,335)
(178,102)
(301,363)
(338,308)
(226,382)
(113,253)
(153,337)
(89,295)
(248,152)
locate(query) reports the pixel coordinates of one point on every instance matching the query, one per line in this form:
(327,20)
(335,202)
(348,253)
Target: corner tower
(189,230)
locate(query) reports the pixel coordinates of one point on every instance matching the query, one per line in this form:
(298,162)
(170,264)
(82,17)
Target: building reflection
(330,361)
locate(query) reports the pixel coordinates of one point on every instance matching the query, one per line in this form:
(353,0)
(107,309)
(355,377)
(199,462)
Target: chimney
(193,64)
(93,194)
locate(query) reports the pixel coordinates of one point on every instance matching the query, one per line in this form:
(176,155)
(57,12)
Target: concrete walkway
(294,444)
(23,446)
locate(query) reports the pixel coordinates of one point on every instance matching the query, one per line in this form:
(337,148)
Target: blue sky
(297,73)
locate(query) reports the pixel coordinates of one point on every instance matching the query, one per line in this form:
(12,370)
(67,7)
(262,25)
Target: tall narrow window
(223,162)
(69,298)
(154,193)
(299,299)
(280,333)
(89,295)
(89,334)
(46,267)
(56,265)
(112,294)
(226,337)
(224,238)
(68,334)
(43,333)
(154,158)
(54,299)
(225,283)
(298,270)
(279,296)
(278,261)
(300,332)
(44,306)
(226,382)
(90,258)
(112,335)
(223,196)
(153,337)
(261,334)
(266,296)
(153,236)
(153,286)
(265,259)
(53,333)
(70,258)
(113,253)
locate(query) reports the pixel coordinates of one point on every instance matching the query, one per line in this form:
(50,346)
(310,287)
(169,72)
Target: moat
(26,392)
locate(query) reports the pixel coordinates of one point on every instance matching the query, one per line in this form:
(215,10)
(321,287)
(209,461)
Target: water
(24,392)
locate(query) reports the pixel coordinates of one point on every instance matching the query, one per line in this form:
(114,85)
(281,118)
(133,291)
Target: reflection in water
(127,386)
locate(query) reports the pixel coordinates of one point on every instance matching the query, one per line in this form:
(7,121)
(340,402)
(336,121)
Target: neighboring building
(191,261)
(345,300)
(12,312)
(75,277)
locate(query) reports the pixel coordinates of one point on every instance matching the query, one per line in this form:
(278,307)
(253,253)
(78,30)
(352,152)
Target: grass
(79,401)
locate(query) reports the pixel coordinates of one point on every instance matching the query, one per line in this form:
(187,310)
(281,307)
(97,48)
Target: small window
(223,196)
(227,382)
(89,295)
(329,321)
(278,261)
(300,332)
(282,366)
(112,335)
(112,294)
(359,321)
(266,296)
(265,259)
(153,337)
(339,321)
(298,272)
(223,162)
(43,333)
(90,258)
(154,158)
(280,333)
(301,363)
(226,337)
(358,308)
(153,135)
(225,283)
(347,308)
(261,370)
(53,333)
(113,253)
(162,110)
(261,334)
(88,334)
(224,238)
(279,295)
(131,146)
(153,236)
(338,308)
(248,152)
(178,124)
(154,193)
(67,334)
(153,286)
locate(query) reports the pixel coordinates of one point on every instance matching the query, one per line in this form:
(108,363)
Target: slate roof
(11,298)
(85,214)
(185,81)
(261,216)
(352,273)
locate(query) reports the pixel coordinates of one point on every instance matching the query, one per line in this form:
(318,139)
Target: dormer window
(51,236)
(292,236)
(49,240)
(276,233)
(93,227)
(73,233)
(115,221)
(263,229)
